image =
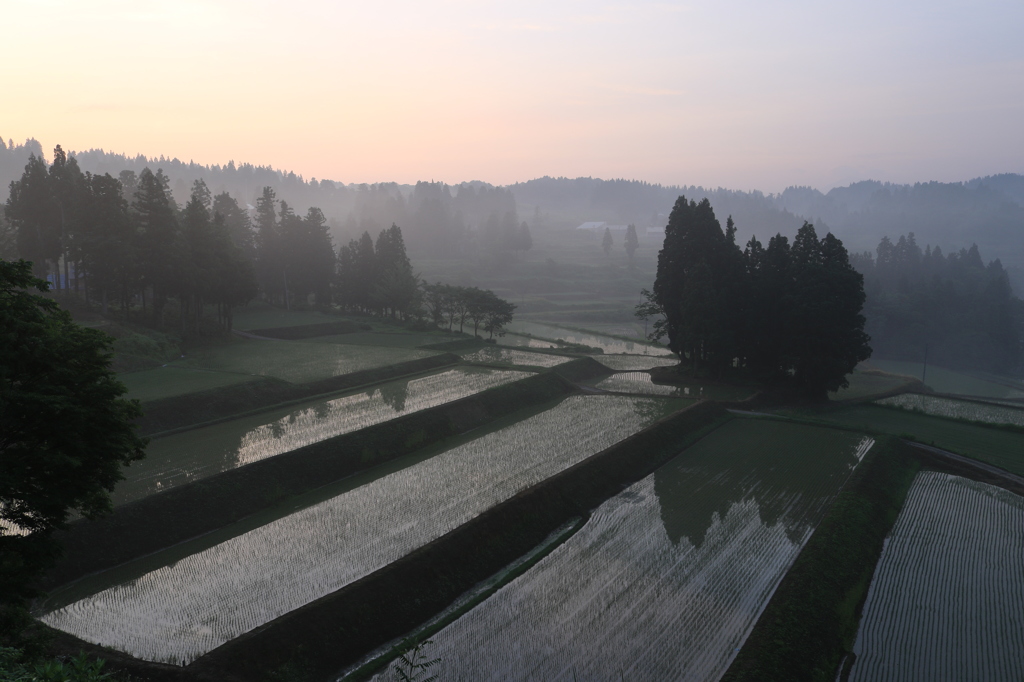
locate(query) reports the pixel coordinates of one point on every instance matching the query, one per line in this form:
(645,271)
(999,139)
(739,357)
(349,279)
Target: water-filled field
(957,409)
(948,592)
(185,609)
(1001,447)
(508,356)
(296,361)
(198,453)
(525,342)
(609,344)
(949,381)
(665,580)
(633,363)
(166,382)
(639,382)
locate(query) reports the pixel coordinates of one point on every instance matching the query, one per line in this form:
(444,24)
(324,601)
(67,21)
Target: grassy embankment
(178,514)
(811,621)
(337,630)
(1001,446)
(809,626)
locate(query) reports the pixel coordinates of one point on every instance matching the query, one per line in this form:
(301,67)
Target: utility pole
(924,371)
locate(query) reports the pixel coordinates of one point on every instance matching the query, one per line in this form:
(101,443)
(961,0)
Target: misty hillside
(443,219)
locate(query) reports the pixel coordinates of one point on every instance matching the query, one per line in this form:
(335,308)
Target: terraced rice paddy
(949,381)
(187,608)
(198,453)
(639,382)
(526,342)
(297,361)
(1001,447)
(956,409)
(508,356)
(167,382)
(609,344)
(631,363)
(948,593)
(665,580)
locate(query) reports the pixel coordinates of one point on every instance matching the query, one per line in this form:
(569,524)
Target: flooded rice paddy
(640,382)
(632,363)
(197,453)
(948,592)
(957,409)
(608,344)
(666,580)
(508,356)
(178,612)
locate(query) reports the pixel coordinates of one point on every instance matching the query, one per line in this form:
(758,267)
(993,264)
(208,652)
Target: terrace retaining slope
(167,518)
(339,629)
(228,402)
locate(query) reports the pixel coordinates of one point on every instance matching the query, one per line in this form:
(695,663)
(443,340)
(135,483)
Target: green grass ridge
(811,621)
(228,402)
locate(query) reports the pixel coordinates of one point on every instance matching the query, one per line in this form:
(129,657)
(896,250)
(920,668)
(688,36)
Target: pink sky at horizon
(734,94)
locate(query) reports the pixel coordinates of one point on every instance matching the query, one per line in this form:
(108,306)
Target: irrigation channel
(947,596)
(197,453)
(188,607)
(666,579)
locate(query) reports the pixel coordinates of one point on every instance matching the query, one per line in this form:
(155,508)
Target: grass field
(1001,447)
(957,409)
(949,381)
(947,596)
(295,361)
(197,453)
(267,317)
(166,382)
(388,339)
(666,579)
(185,609)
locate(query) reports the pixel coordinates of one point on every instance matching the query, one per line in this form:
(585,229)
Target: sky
(738,94)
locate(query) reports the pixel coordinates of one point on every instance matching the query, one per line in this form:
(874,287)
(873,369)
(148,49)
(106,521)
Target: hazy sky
(738,94)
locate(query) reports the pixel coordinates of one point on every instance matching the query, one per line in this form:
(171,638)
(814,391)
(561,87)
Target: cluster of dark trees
(447,304)
(953,307)
(118,239)
(788,314)
(125,241)
(378,279)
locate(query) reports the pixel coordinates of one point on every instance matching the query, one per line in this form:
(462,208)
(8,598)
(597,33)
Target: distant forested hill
(448,219)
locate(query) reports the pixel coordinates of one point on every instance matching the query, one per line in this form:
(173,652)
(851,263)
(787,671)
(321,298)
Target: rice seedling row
(508,356)
(180,611)
(633,363)
(639,382)
(197,453)
(666,579)
(297,361)
(948,593)
(956,409)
